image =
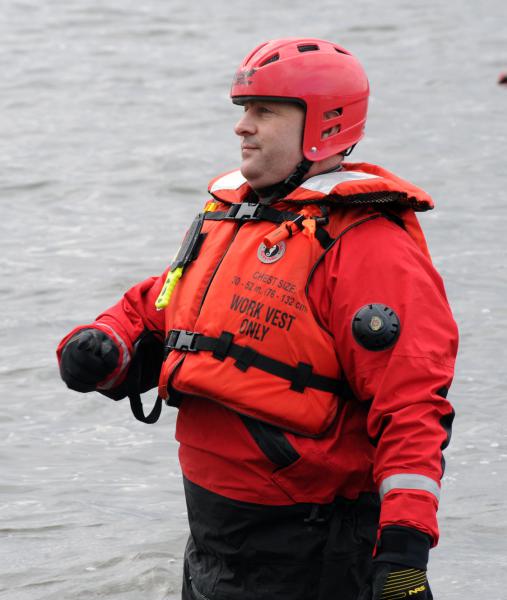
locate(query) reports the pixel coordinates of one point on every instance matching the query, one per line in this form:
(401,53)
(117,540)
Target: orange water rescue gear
(389,439)
(239,328)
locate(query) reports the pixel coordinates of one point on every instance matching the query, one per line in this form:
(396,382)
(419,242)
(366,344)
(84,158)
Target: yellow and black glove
(399,567)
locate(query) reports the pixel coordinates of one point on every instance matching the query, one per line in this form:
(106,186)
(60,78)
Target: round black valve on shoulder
(376,326)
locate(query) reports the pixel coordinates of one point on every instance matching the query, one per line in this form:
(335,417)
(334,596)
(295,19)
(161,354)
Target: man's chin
(251,175)
(258,178)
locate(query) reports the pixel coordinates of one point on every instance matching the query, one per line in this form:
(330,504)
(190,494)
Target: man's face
(271,136)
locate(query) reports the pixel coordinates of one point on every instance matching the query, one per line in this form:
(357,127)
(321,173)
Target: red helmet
(325,78)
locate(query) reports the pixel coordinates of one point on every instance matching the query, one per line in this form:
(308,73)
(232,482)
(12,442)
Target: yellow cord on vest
(168,288)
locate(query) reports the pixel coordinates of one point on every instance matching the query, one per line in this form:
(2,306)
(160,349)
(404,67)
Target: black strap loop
(221,350)
(245,358)
(303,374)
(142,375)
(137,409)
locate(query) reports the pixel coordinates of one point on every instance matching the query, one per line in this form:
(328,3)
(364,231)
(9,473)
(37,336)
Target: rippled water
(113,117)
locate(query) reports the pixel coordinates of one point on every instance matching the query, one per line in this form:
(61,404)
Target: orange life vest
(239,327)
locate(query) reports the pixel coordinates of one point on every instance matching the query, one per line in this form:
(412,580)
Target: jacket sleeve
(409,419)
(136,312)
(128,322)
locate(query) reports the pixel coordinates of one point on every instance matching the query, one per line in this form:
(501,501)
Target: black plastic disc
(376,326)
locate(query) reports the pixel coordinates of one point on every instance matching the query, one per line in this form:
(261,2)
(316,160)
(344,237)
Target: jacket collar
(356,183)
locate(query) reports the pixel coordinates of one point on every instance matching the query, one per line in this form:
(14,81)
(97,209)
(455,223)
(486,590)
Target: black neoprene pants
(242,551)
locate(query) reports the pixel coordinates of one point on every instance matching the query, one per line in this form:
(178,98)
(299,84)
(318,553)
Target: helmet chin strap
(279,190)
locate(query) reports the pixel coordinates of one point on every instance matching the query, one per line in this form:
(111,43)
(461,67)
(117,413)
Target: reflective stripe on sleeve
(125,357)
(409,481)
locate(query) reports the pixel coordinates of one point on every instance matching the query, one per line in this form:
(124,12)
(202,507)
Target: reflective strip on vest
(409,481)
(327,181)
(231,181)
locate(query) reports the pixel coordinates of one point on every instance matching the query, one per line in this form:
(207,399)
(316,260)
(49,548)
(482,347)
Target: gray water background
(113,116)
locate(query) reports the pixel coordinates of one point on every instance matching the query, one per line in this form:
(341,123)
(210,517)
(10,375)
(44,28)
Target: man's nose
(245,126)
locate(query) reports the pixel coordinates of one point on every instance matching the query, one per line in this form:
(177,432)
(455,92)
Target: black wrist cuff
(403,546)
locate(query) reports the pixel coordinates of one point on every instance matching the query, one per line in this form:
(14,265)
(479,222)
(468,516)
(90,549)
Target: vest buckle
(244,211)
(179,339)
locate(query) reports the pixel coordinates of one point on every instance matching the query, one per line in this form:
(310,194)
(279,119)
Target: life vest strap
(323,237)
(251,211)
(248,211)
(300,377)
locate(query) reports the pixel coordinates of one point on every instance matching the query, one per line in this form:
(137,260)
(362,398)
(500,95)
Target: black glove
(399,568)
(88,358)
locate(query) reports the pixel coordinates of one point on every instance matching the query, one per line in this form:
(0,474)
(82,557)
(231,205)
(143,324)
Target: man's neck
(276,191)
(328,165)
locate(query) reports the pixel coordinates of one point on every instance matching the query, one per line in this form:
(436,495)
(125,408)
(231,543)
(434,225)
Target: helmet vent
(335,127)
(341,51)
(308,47)
(331,131)
(271,59)
(332,114)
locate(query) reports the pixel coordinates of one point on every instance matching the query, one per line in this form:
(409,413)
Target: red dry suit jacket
(390,439)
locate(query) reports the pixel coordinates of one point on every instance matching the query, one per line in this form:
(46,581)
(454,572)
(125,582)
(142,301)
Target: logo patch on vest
(271,255)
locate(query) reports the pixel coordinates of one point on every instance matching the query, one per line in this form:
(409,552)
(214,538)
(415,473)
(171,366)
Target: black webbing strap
(136,406)
(245,357)
(147,351)
(324,238)
(248,211)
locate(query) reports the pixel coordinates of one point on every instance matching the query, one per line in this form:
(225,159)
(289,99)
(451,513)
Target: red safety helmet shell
(320,75)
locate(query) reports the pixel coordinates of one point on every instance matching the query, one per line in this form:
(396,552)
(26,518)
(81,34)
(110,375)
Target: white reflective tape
(125,358)
(231,181)
(327,181)
(409,481)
